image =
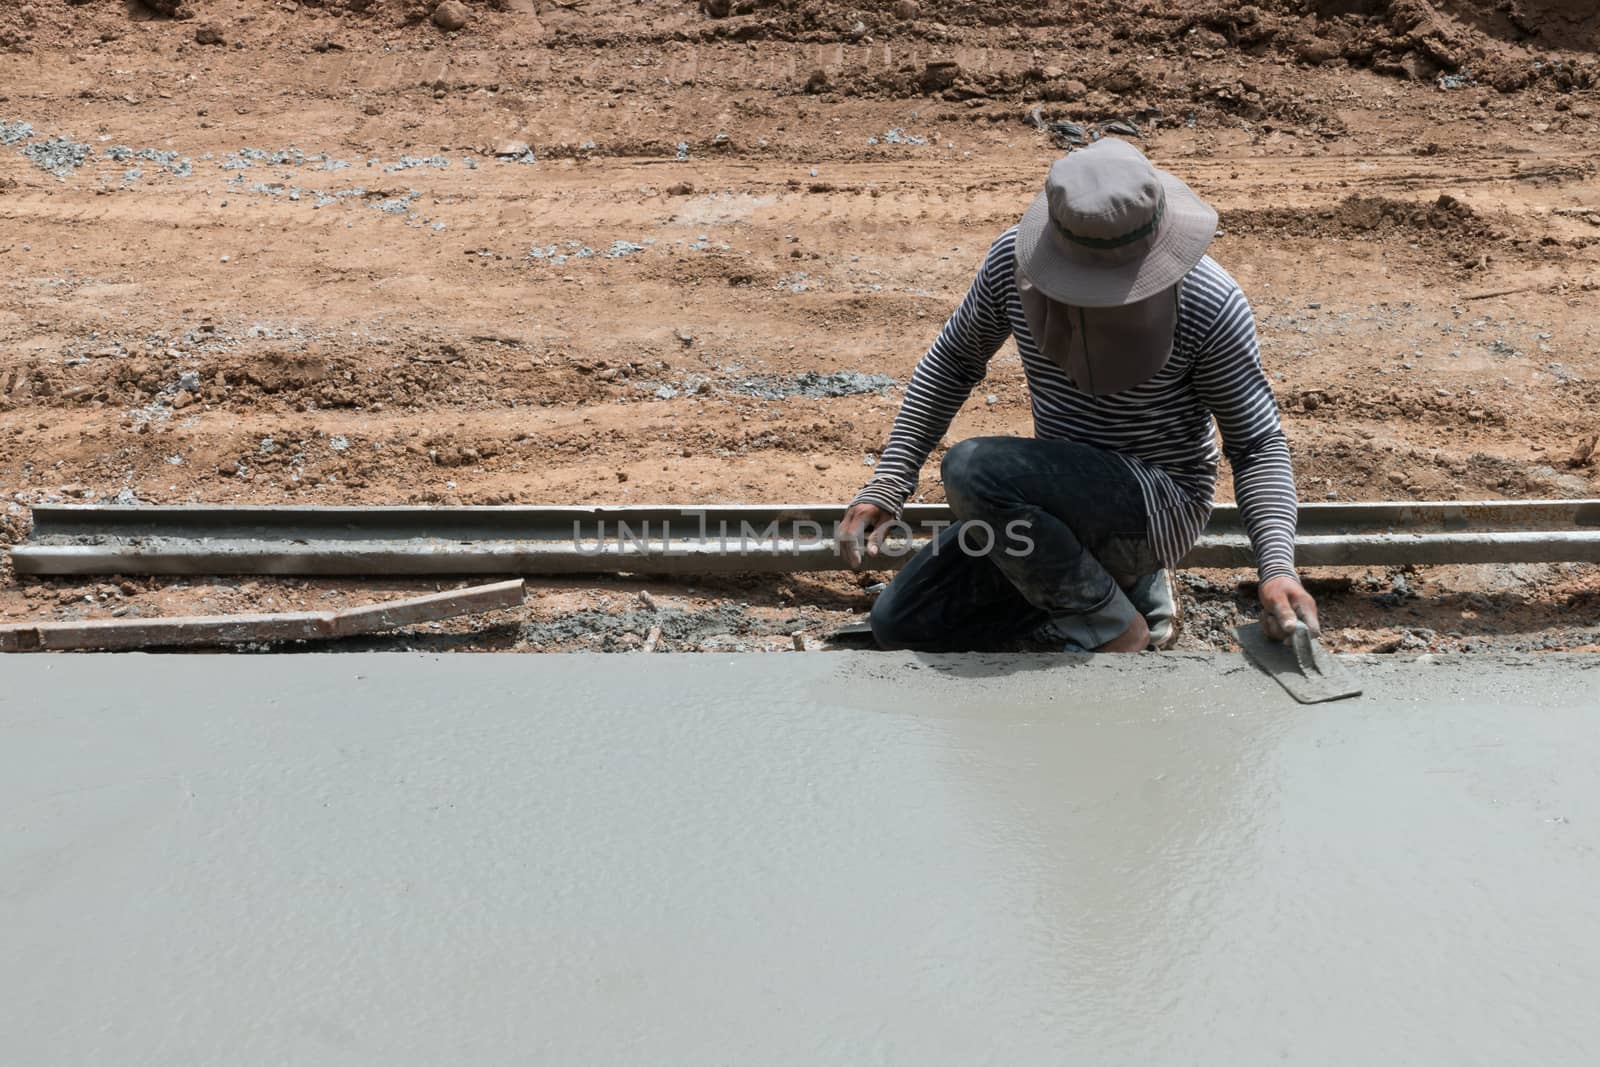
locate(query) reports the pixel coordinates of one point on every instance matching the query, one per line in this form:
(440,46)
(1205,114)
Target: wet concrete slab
(803,859)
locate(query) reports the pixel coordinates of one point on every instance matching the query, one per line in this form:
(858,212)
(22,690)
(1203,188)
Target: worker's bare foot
(1135,638)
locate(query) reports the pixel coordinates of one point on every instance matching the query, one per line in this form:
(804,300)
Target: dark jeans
(1049,533)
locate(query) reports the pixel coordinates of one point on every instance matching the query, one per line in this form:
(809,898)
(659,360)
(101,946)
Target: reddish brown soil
(1408,194)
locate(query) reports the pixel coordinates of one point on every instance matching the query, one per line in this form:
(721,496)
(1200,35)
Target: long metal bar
(100,539)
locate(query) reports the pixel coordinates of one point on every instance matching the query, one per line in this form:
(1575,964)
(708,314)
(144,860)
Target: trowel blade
(1303,667)
(854,635)
(1308,651)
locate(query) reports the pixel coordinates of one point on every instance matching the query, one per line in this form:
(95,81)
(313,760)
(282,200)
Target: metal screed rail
(152,540)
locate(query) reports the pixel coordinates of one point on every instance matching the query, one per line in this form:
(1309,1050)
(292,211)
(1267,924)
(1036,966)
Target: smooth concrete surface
(794,859)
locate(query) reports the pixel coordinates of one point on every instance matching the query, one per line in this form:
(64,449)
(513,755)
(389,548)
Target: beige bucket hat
(1110,230)
(1100,254)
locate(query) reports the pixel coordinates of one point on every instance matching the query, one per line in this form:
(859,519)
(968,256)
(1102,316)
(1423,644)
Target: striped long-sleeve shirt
(1162,429)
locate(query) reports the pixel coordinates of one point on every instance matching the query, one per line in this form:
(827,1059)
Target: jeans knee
(963,469)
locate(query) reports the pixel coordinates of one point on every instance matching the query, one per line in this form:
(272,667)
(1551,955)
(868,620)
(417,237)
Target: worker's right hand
(863,526)
(1285,607)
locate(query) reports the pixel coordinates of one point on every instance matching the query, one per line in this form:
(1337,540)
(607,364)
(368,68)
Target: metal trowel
(1303,666)
(853,635)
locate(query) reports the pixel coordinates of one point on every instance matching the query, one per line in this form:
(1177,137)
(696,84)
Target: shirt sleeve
(943,380)
(1230,381)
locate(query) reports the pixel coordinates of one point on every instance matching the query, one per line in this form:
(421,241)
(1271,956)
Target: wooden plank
(374,618)
(108,635)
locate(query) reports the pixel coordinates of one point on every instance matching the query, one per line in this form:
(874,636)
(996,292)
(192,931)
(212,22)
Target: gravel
(59,155)
(813,384)
(396,205)
(167,160)
(13,132)
(553,254)
(410,162)
(619,249)
(898,136)
(245,158)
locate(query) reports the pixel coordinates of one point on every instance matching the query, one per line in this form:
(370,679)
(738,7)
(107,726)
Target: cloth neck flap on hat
(1102,350)
(1049,321)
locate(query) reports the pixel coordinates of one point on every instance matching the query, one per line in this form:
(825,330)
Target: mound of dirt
(1446,227)
(1506,44)
(1509,44)
(177,9)
(1366,216)
(1550,23)
(1491,40)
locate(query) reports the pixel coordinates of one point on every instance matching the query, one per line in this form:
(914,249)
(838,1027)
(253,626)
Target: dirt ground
(604,251)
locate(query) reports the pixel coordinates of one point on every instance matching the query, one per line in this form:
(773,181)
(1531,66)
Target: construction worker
(1133,340)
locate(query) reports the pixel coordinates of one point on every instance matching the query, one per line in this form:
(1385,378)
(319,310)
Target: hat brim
(1185,233)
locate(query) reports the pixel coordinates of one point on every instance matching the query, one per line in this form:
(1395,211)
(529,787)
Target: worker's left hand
(1285,606)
